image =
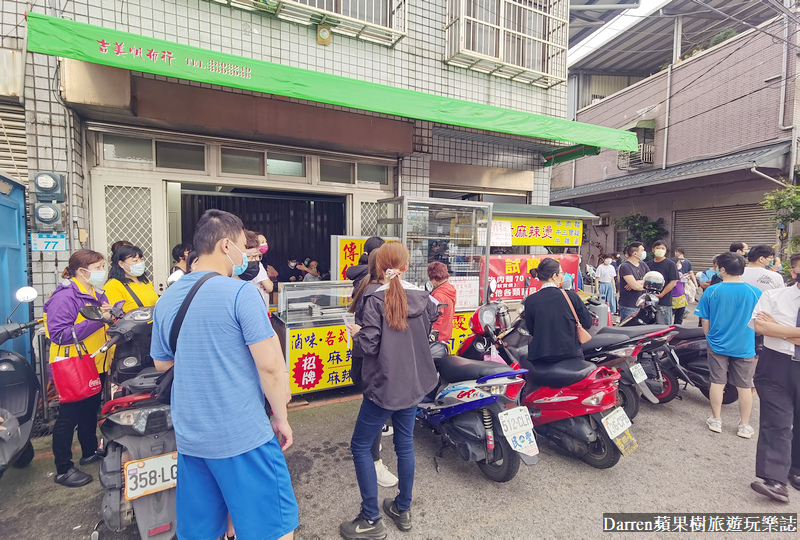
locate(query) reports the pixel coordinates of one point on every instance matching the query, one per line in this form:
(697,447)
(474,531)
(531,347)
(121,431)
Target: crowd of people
(222,487)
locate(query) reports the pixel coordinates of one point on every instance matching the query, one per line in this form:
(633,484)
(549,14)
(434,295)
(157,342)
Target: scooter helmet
(653,282)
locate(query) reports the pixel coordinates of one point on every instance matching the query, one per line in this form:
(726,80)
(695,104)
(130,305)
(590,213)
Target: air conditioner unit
(605,221)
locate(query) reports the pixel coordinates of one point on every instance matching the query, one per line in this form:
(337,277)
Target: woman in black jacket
(398,371)
(549,318)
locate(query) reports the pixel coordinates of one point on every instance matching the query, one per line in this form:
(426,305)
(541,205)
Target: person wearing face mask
(84,275)
(740,248)
(128,280)
(313,272)
(604,275)
(228,355)
(758,274)
(255,272)
(290,272)
(668,269)
(631,278)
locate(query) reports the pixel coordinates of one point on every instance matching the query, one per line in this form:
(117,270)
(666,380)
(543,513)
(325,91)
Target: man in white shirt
(777,379)
(758,274)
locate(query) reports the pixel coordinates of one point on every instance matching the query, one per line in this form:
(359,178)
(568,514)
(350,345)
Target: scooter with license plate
(475,408)
(19,393)
(139,470)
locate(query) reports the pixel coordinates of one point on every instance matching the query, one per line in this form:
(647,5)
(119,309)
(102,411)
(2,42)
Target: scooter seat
(689,332)
(604,340)
(457,369)
(633,331)
(560,374)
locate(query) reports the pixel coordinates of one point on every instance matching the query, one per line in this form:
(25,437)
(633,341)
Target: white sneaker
(714,424)
(746,431)
(387,430)
(385,478)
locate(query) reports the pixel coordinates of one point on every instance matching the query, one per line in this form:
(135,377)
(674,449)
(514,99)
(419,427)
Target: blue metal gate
(13,258)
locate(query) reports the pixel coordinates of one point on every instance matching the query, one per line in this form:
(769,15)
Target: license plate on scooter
(518,430)
(617,425)
(637,371)
(150,475)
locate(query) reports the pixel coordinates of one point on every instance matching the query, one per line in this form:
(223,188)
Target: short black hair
(291,258)
(733,263)
(190,258)
(632,247)
(660,243)
(214,226)
(679,250)
(373,242)
(179,250)
(794,259)
(736,246)
(761,250)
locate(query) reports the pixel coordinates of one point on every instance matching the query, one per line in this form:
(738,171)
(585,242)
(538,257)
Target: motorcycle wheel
(729,395)
(670,382)
(603,453)
(25,457)
(505,465)
(628,399)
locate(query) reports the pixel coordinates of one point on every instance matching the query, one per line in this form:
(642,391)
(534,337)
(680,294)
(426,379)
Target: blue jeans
(368,425)
(625,312)
(607,290)
(664,314)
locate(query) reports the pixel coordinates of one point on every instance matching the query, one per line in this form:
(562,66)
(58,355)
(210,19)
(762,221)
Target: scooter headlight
(153,420)
(594,400)
(6,366)
(124,418)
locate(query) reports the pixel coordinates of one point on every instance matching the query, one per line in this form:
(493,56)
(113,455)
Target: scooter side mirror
(92,313)
(26,294)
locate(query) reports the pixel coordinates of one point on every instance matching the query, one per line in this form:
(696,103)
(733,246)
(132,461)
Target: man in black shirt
(631,274)
(669,270)
(290,272)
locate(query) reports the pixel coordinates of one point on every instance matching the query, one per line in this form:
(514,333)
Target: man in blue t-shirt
(227,359)
(725,311)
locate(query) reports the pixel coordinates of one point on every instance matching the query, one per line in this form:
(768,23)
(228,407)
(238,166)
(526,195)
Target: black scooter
(691,348)
(19,393)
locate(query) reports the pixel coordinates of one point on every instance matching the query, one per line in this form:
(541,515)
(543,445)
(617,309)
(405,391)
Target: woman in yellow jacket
(83,277)
(128,280)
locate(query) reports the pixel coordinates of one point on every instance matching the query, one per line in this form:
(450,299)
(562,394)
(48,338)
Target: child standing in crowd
(398,371)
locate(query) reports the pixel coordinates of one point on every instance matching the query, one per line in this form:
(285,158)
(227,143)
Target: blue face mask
(718,274)
(770,264)
(238,269)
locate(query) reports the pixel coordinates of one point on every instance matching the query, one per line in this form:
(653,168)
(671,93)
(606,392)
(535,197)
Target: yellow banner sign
(319,358)
(527,231)
(349,250)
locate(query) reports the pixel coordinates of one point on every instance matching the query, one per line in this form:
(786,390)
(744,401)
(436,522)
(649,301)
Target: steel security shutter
(13,144)
(704,233)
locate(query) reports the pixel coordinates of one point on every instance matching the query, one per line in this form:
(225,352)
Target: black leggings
(83,415)
(678,314)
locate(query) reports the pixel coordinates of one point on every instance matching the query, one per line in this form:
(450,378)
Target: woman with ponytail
(397,372)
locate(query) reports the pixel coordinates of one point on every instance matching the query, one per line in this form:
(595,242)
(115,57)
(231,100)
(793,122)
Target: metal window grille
(379,21)
(13,144)
(369,219)
(523,40)
(129,217)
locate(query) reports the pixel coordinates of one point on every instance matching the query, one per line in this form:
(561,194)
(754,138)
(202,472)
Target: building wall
(416,63)
(720,103)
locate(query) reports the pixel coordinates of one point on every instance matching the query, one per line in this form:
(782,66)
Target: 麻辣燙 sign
(527,231)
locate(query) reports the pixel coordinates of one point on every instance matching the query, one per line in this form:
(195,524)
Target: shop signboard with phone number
(510,272)
(320,358)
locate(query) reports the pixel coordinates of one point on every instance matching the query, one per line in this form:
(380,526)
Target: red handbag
(76,377)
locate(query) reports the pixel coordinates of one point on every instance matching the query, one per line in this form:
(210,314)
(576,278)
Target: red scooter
(572,403)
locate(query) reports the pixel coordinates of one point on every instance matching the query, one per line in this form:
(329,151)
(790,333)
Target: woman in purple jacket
(86,273)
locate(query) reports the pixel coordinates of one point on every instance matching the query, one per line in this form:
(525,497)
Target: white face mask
(96,277)
(606,261)
(137,269)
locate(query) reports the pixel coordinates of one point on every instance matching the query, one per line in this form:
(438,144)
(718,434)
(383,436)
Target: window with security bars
(129,216)
(523,40)
(369,219)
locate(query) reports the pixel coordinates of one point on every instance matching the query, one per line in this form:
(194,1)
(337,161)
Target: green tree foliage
(642,229)
(725,35)
(784,203)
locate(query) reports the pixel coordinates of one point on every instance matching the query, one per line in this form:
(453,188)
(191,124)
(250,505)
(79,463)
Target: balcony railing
(631,161)
(379,21)
(522,40)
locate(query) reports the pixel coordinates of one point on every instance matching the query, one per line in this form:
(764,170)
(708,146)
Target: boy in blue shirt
(725,310)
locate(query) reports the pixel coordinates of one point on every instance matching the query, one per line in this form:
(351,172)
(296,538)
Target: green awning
(641,124)
(98,45)
(530,210)
(560,155)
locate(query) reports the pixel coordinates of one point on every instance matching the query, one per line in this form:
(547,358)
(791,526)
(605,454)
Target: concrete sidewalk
(680,466)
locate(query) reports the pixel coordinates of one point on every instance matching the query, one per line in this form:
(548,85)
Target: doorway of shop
(295,224)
